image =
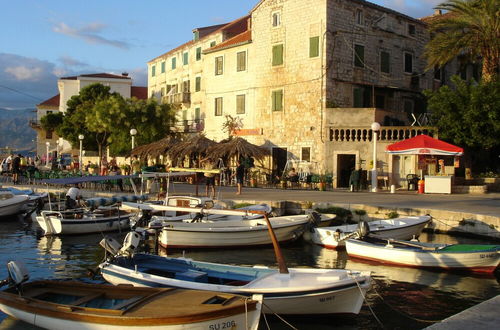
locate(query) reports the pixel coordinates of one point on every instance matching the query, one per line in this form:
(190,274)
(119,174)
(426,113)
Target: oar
(391,240)
(277,251)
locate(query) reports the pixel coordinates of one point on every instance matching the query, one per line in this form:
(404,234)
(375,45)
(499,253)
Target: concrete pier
(484,316)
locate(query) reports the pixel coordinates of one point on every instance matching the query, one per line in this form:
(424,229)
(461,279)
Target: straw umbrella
(197,145)
(238,147)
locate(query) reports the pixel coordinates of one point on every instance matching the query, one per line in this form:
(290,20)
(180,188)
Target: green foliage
(467,114)
(339,211)
(360,212)
(51,121)
(392,215)
(240,205)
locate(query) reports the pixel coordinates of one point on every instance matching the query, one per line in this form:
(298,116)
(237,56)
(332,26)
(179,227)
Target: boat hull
(13,205)
(485,261)
(56,225)
(401,229)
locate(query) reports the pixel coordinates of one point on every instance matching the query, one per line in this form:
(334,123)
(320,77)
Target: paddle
(277,251)
(391,240)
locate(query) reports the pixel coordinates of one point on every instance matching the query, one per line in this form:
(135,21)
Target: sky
(43,40)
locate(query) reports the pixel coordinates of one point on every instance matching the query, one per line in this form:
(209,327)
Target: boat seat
(192,275)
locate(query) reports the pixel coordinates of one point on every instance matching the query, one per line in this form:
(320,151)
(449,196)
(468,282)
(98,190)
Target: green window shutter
(163,67)
(185,58)
(153,70)
(218,106)
(196,35)
(240,104)
(197,86)
(277,100)
(385,62)
(219,65)
(314,47)
(198,53)
(174,63)
(278,54)
(359,56)
(197,114)
(358,97)
(241,60)
(212,44)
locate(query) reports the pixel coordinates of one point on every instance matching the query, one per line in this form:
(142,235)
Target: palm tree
(472,28)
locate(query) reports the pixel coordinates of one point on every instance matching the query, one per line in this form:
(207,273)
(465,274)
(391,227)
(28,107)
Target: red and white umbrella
(424,145)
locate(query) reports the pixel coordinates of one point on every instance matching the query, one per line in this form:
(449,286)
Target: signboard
(248,131)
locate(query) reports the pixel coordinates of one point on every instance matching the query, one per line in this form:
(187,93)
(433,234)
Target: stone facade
(313,67)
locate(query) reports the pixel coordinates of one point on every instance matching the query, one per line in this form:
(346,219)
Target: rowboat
(462,257)
(75,305)
(11,204)
(302,291)
(399,228)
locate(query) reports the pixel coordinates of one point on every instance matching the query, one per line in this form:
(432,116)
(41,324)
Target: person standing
(16,169)
(240,174)
(210,178)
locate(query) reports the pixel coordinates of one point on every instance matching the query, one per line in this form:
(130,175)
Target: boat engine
(111,245)
(363,229)
(130,243)
(314,219)
(18,274)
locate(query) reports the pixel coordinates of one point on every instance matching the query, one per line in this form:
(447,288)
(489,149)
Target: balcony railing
(189,126)
(387,133)
(177,98)
(35,123)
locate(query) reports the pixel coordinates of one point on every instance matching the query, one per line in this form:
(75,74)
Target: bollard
(421,186)
(393,188)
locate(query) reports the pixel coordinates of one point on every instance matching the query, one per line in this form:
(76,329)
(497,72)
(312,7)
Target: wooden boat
(403,228)
(302,291)
(463,257)
(75,305)
(11,204)
(83,221)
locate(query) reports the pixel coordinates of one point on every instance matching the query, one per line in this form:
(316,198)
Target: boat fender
(130,243)
(363,229)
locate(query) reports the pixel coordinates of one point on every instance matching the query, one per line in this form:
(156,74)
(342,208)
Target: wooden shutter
(277,100)
(278,54)
(314,47)
(385,62)
(359,56)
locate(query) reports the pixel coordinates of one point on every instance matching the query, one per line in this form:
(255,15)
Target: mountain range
(15,131)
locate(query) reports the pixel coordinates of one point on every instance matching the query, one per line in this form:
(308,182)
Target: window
(306,154)
(240,104)
(153,70)
(359,56)
(197,114)
(198,53)
(184,116)
(359,17)
(186,86)
(385,62)
(241,61)
(314,47)
(48,134)
(408,106)
(380,101)
(174,63)
(185,58)
(218,106)
(408,63)
(411,30)
(196,35)
(162,91)
(276,20)
(163,67)
(277,100)
(438,73)
(212,44)
(362,97)
(197,84)
(278,54)
(219,65)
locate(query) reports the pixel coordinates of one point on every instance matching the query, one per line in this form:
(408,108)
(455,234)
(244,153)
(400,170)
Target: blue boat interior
(193,271)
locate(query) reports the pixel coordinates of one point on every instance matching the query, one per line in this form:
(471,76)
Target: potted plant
(253,178)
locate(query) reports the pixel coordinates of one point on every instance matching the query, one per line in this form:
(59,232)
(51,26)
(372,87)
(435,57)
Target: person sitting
(73,198)
(293,176)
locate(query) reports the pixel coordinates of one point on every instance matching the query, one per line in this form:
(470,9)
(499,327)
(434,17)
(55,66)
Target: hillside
(15,131)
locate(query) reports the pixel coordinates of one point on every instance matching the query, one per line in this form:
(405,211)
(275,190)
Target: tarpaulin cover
(424,145)
(82,179)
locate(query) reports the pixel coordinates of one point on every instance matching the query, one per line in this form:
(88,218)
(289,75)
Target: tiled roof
(189,43)
(206,30)
(97,75)
(139,92)
(52,102)
(242,38)
(436,17)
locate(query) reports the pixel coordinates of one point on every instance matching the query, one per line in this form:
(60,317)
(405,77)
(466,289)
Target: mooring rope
(279,317)
(368,304)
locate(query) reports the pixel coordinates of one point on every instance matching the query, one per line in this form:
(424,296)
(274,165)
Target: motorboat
(300,291)
(463,257)
(402,228)
(74,305)
(11,204)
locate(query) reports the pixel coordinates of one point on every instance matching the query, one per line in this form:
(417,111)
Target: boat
(402,228)
(301,291)
(460,257)
(75,305)
(11,204)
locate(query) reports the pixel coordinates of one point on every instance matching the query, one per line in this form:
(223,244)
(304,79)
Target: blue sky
(44,40)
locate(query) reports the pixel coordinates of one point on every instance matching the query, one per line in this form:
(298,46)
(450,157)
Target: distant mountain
(15,131)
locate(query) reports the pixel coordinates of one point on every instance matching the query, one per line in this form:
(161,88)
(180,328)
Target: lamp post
(47,144)
(375,129)
(80,160)
(133,132)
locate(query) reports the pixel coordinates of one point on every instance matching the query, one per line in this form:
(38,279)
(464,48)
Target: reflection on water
(401,297)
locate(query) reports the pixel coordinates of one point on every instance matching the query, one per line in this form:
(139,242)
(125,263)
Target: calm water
(400,297)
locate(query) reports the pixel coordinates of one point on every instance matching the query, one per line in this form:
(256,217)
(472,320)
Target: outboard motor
(130,243)
(111,245)
(18,274)
(363,229)
(314,219)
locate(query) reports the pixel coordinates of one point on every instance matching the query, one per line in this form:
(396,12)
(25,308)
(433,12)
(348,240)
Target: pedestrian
(240,174)
(209,177)
(16,169)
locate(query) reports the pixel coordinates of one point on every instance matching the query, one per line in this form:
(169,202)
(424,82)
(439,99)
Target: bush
(339,211)
(239,205)
(360,212)
(392,215)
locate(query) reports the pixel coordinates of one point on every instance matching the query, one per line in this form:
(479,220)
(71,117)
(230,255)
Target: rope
(246,313)
(368,304)
(463,231)
(265,320)
(279,317)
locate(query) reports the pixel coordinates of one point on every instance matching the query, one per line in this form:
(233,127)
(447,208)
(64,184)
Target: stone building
(307,78)
(69,86)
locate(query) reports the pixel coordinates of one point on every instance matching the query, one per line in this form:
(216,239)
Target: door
(345,165)
(280,157)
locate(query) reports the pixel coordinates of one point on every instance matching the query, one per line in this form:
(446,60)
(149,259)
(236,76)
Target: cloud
(90,34)
(70,61)
(24,73)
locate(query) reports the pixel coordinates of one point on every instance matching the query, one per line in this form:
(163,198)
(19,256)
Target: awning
(424,145)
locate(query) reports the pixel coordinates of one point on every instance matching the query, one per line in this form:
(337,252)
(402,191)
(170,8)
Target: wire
(22,93)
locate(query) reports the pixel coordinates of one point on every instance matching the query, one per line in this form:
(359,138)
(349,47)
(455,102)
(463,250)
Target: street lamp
(133,132)
(80,161)
(47,144)
(375,130)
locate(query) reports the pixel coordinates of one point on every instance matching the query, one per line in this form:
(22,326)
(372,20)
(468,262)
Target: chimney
(437,12)
(125,74)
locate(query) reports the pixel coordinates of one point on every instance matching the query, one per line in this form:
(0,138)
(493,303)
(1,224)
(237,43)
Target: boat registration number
(326,299)
(489,255)
(222,325)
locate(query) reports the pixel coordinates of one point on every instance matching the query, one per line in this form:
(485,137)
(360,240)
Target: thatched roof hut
(197,145)
(238,147)
(155,149)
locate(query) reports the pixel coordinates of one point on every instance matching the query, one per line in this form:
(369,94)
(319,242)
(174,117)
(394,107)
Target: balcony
(189,126)
(35,123)
(387,133)
(177,98)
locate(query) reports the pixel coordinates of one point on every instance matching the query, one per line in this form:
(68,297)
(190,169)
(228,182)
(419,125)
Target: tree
(472,28)
(468,114)
(51,121)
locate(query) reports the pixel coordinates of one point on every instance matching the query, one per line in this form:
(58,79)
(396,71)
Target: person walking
(16,169)
(240,174)
(209,177)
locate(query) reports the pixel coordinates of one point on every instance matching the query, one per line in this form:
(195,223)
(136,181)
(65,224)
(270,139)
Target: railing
(387,133)
(189,126)
(177,98)
(35,123)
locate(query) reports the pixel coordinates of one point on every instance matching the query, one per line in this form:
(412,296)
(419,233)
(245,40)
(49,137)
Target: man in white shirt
(73,197)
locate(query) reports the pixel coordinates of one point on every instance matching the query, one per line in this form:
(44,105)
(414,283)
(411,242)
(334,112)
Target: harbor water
(400,297)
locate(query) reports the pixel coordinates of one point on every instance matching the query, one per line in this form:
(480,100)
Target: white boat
(83,221)
(464,257)
(303,291)
(79,306)
(399,228)
(11,204)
